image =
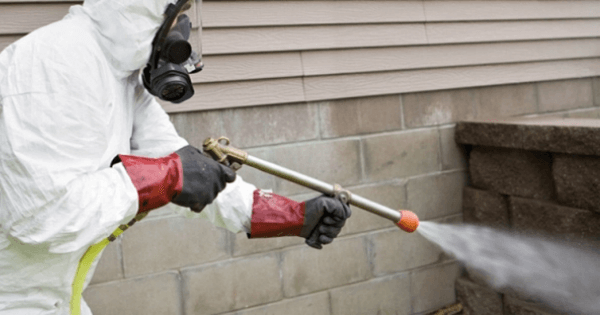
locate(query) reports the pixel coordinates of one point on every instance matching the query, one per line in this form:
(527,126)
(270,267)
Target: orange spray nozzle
(408,221)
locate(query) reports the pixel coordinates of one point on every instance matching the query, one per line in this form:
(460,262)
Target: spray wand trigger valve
(220,151)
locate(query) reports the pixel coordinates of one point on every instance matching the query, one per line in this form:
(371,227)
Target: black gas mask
(167,74)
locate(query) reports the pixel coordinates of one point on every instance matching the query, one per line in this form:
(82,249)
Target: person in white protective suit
(84,147)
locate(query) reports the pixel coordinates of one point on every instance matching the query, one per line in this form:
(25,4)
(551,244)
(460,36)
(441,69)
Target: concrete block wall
(538,176)
(398,150)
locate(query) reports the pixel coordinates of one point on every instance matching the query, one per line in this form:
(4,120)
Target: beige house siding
(339,49)
(320,50)
(360,93)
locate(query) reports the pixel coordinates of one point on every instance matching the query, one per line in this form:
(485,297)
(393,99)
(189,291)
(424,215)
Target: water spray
(558,274)
(221,151)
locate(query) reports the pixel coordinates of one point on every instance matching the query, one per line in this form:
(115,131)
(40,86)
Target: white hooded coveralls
(70,101)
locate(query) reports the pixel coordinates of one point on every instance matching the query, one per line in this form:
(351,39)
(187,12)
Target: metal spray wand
(220,150)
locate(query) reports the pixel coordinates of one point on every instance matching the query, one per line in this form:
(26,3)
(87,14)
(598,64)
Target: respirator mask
(173,59)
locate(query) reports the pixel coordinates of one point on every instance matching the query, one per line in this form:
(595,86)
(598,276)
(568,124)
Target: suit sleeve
(54,193)
(231,210)
(153,133)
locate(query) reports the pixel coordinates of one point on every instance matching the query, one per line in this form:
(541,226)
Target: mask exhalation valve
(173,92)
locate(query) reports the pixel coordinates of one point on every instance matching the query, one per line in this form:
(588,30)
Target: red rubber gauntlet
(186,177)
(318,220)
(274,215)
(157,180)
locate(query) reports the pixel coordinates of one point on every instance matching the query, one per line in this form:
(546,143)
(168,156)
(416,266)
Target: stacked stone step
(529,175)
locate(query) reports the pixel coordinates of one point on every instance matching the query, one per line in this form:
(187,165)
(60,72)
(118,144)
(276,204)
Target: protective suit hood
(124,29)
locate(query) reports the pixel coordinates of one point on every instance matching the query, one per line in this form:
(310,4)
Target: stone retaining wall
(531,175)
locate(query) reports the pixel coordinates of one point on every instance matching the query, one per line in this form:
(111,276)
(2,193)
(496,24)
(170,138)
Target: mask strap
(171,14)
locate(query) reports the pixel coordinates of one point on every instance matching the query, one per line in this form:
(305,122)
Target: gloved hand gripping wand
(220,150)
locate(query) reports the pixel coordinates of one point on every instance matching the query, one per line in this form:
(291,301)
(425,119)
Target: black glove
(203,179)
(324,218)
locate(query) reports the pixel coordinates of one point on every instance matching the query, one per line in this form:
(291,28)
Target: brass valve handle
(220,150)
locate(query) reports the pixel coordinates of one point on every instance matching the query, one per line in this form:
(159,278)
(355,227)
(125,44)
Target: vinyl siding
(275,52)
